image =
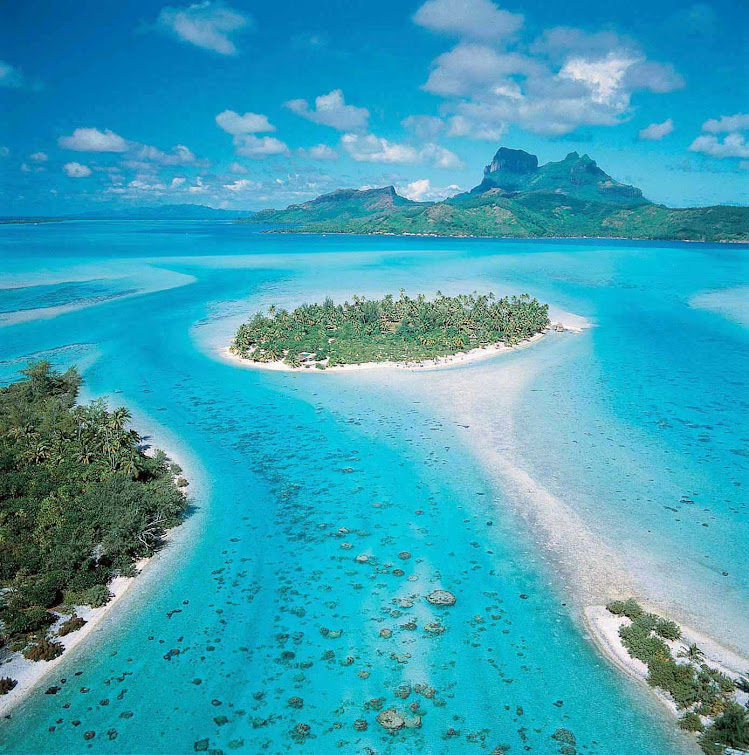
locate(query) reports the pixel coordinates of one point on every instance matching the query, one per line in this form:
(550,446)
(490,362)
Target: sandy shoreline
(30,674)
(604,626)
(439,363)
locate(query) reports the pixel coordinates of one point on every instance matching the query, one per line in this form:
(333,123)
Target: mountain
(163,212)
(340,205)
(517,198)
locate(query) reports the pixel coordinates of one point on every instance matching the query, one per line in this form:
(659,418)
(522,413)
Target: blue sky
(251,105)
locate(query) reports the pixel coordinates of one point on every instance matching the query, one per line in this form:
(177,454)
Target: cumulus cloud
(656,131)
(243,184)
(180,155)
(425,127)
(478,19)
(39,157)
(423,191)
(93,140)
(733,144)
(727,123)
(564,79)
(331,110)
(206,25)
(249,145)
(177,182)
(76,170)
(238,168)
(319,152)
(375,149)
(249,123)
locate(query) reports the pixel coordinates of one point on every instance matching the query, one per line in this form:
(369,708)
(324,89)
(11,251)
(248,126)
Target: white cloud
(733,145)
(4,151)
(425,127)
(205,25)
(76,170)
(180,155)
(656,131)
(249,145)
(238,168)
(139,184)
(93,140)
(331,110)
(440,157)
(564,79)
(198,187)
(476,125)
(727,123)
(177,182)
(243,184)
(374,149)
(39,157)
(319,152)
(423,191)
(478,19)
(10,76)
(249,123)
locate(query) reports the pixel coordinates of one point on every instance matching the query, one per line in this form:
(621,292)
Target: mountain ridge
(516,198)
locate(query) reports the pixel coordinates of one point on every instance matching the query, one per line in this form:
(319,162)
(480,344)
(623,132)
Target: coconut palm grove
(392,329)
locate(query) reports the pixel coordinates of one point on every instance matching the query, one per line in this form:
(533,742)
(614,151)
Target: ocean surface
(500,481)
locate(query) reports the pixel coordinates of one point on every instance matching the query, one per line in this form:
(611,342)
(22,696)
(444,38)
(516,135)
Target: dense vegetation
(389,329)
(517,198)
(79,503)
(704,693)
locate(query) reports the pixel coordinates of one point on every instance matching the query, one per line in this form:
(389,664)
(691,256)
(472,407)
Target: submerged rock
(390,719)
(441,598)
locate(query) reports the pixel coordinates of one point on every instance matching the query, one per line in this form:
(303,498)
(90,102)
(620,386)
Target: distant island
(398,330)
(517,198)
(154,212)
(81,504)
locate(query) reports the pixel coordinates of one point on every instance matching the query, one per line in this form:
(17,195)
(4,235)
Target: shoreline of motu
(29,675)
(437,363)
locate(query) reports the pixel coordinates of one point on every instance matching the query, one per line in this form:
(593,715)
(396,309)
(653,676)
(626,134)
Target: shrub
(691,722)
(730,729)
(71,625)
(629,608)
(94,596)
(676,678)
(44,650)
(667,629)
(642,645)
(6,684)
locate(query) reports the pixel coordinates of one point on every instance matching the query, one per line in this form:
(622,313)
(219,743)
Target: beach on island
(573,324)
(31,675)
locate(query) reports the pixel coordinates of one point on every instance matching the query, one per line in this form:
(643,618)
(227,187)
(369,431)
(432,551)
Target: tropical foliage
(704,693)
(79,502)
(389,329)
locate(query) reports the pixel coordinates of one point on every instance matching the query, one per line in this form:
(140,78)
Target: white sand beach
(31,674)
(458,359)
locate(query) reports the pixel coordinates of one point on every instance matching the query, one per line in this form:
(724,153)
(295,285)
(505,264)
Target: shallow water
(294,475)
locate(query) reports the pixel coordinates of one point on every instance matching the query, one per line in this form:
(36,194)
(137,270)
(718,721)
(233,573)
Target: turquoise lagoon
(634,431)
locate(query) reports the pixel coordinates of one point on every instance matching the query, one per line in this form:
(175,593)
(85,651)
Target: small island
(81,506)
(708,690)
(388,330)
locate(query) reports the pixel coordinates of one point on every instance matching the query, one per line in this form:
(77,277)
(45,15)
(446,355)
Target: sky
(246,105)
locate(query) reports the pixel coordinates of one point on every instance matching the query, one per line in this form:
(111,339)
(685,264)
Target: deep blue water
(293,476)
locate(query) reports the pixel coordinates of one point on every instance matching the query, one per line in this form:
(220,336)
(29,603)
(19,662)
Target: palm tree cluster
(395,329)
(79,499)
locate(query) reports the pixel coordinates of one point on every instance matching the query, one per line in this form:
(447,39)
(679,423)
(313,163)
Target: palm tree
(692,653)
